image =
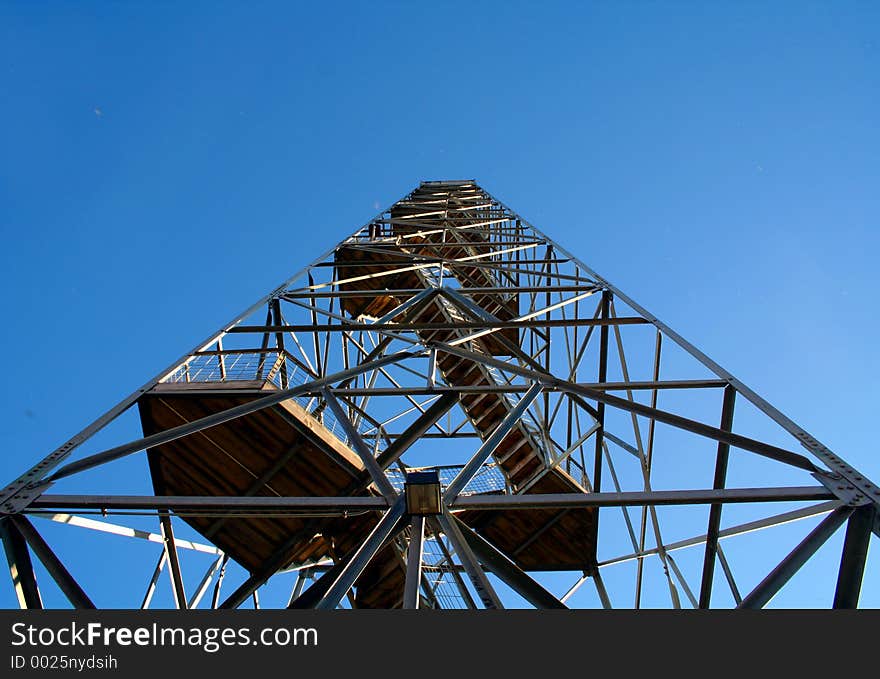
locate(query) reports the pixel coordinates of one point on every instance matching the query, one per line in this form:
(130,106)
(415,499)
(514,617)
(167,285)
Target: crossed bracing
(449,332)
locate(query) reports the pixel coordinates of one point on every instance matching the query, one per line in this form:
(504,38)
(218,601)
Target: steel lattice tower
(448,409)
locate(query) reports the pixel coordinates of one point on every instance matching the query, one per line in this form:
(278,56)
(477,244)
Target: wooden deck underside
(229,459)
(304,459)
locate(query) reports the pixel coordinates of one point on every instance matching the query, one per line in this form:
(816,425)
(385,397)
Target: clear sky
(162,165)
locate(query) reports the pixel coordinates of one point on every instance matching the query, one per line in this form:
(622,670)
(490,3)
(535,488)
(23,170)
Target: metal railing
(438,573)
(488,479)
(256,365)
(261,366)
(232,365)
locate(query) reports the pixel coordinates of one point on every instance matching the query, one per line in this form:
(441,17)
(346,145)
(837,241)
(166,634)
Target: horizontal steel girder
(341,505)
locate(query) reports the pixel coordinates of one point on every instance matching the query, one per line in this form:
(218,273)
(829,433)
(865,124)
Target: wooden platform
(279,451)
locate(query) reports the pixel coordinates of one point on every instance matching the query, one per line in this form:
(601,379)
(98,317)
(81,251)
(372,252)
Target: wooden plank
(225,460)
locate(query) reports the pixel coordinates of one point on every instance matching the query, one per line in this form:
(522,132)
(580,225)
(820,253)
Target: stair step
(460,378)
(488,412)
(469,405)
(510,453)
(529,459)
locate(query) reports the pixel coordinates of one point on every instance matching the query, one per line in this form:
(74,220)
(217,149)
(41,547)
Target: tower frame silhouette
(448,304)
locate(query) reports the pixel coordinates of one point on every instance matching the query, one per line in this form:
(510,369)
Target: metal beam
(312,595)
(649,464)
(473,465)
(390,524)
(205,584)
(741,529)
(21,568)
(414,563)
(736,440)
(275,306)
(425,263)
(154,579)
(301,577)
(402,292)
(791,564)
(270,566)
(184,503)
(511,574)
(488,389)
(473,310)
(600,590)
(602,377)
(215,596)
(173,561)
(57,570)
(520,388)
(417,429)
(123,531)
(488,324)
(600,407)
(715,510)
(264,346)
(451,262)
(640,498)
(529,321)
(472,567)
(728,573)
(855,554)
(425,295)
(362,449)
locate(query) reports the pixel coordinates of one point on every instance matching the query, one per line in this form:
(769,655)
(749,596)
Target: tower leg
(21,568)
(852,561)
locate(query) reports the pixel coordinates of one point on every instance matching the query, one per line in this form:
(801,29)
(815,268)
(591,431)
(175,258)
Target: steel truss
(601,391)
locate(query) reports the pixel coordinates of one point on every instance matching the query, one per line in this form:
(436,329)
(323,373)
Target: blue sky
(162,166)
